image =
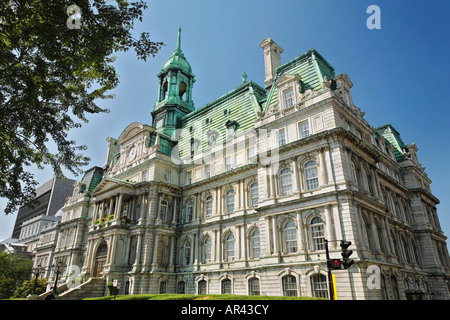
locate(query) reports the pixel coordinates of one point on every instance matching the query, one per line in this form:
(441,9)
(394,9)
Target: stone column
(296,182)
(276,249)
(330,236)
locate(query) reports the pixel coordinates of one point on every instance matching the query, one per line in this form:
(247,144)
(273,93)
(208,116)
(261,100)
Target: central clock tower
(175,92)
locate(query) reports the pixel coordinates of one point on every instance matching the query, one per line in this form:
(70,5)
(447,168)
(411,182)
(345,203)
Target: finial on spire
(179,39)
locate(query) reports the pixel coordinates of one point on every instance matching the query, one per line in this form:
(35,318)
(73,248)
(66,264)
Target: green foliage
(7,287)
(13,271)
(50,78)
(27,288)
(15,267)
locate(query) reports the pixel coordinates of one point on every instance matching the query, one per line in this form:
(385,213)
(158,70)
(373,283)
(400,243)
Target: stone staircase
(94,287)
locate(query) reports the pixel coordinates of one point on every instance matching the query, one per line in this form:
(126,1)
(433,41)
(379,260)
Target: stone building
(239,195)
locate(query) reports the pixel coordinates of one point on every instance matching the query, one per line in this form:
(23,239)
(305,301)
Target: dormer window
(289,88)
(212,137)
(231,128)
(288,98)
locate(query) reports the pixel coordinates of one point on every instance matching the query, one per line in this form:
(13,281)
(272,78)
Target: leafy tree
(7,287)
(27,288)
(13,271)
(54,65)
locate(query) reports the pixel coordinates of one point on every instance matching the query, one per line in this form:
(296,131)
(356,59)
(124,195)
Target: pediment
(288,78)
(109,184)
(132,131)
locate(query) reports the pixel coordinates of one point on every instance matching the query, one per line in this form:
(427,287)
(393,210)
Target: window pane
(304,129)
(312,181)
(230,201)
(285,181)
(290,237)
(189,211)
(289,286)
(288,98)
(256,250)
(230,247)
(207,251)
(226,286)
(208,206)
(317,234)
(281,138)
(253,285)
(228,163)
(319,286)
(254,195)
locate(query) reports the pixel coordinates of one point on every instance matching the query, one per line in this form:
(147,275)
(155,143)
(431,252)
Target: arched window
(187,253)
(229,247)
(319,286)
(285,181)
(311,176)
(163,287)
(207,250)
(226,286)
(208,206)
(202,287)
(290,237)
(163,211)
(181,287)
(255,243)
(289,286)
(254,194)
(189,211)
(230,201)
(182,90)
(253,287)
(317,234)
(163,253)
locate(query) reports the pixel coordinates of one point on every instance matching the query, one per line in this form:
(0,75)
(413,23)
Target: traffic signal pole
(330,280)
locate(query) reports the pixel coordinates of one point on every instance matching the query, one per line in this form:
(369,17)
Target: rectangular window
(304,129)
(281,137)
(251,155)
(288,98)
(228,163)
(144,175)
(189,177)
(207,171)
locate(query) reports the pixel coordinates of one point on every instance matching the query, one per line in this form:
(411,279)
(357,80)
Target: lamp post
(36,272)
(58,268)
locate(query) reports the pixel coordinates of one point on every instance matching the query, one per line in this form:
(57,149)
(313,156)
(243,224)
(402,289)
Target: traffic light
(346,261)
(334,264)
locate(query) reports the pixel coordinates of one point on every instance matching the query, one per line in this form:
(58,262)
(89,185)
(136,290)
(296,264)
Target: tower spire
(179,40)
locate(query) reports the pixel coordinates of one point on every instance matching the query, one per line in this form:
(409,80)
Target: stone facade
(239,195)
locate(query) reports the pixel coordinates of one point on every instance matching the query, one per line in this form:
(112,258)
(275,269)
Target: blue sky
(400,72)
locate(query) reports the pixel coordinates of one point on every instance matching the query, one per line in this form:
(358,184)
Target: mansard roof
(310,67)
(238,107)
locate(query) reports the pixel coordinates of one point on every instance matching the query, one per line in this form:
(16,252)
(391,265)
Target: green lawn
(173,296)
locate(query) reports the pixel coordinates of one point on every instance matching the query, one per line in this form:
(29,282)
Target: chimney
(272,59)
(113,148)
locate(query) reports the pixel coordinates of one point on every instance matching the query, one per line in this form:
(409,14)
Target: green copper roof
(178,60)
(393,137)
(237,108)
(310,66)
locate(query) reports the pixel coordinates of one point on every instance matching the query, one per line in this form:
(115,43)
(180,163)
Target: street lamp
(36,272)
(58,268)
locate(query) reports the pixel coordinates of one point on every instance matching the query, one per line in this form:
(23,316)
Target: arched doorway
(100,260)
